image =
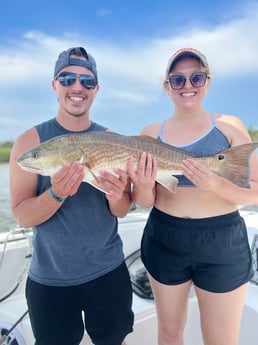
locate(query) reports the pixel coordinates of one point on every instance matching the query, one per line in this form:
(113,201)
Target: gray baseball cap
(65,60)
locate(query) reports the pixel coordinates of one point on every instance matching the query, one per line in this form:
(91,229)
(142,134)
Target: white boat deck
(15,267)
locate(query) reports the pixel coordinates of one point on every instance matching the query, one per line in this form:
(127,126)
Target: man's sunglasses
(67,79)
(197,79)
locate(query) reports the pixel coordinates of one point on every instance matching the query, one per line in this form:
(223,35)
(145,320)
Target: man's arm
(28,208)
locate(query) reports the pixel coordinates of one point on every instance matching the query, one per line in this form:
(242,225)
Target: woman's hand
(200,175)
(145,175)
(143,179)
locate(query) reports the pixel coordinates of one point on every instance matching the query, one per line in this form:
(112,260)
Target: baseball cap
(65,60)
(184,52)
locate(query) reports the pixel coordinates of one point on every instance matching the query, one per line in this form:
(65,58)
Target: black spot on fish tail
(235,163)
(220,157)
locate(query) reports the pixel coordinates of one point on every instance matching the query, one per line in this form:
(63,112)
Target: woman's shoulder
(228,120)
(233,127)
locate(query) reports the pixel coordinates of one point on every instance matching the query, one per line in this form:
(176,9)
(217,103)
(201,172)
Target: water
(6,218)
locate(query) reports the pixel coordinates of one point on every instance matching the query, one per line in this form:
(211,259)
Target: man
(77,270)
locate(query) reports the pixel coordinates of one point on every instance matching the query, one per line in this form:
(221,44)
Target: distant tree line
(253,133)
(5,147)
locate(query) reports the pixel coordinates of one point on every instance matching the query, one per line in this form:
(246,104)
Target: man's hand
(67,180)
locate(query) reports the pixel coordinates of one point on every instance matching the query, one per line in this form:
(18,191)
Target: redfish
(101,150)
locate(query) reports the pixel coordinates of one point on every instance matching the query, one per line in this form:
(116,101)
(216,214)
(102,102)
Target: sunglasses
(197,79)
(67,79)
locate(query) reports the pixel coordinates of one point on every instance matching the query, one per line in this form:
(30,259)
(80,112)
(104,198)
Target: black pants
(56,312)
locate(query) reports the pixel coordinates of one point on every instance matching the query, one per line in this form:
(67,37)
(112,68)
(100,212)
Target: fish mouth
(28,167)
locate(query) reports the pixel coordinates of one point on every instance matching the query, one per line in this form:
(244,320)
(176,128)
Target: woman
(196,235)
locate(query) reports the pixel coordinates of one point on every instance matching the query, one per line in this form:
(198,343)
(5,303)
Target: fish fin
(235,163)
(93,180)
(97,186)
(168,181)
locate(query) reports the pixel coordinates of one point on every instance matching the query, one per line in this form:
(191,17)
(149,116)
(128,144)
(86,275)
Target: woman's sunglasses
(67,79)
(197,79)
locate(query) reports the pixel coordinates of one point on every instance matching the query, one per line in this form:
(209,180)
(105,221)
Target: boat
(15,254)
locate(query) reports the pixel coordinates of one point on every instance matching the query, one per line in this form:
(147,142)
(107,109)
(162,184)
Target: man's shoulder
(97,127)
(26,140)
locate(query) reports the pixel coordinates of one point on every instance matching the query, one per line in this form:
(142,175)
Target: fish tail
(235,163)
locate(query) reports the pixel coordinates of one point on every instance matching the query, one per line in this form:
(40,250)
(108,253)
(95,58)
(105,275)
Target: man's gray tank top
(211,142)
(80,241)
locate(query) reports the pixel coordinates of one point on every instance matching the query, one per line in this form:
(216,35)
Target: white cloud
(130,74)
(230,47)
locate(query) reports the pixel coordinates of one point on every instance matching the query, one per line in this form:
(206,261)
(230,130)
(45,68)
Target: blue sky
(131,42)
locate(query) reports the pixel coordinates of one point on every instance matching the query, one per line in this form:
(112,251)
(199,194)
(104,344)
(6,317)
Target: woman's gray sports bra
(211,142)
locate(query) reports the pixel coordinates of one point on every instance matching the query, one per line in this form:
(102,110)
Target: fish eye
(221,157)
(36,155)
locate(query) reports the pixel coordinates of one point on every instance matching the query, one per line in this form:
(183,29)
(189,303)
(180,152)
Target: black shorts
(56,312)
(213,252)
